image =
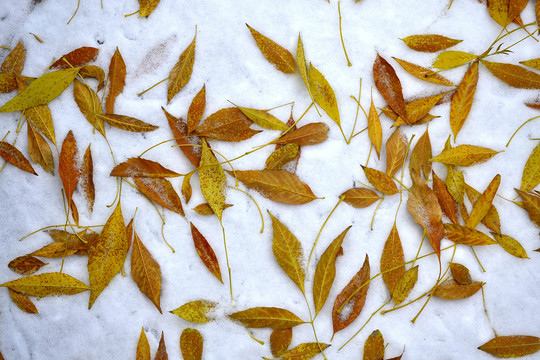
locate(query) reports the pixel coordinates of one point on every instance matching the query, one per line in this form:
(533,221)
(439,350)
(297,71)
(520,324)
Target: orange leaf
(40,152)
(514,75)
(93,71)
(139,167)
(127,123)
(143,347)
(396,149)
(191,344)
(181,72)
(429,42)
(420,155)
(464,235)
(117,80)
(380,181)
(190,146)
(161,191)
(89,104)
(229,124)
(423,73)
(418,109)
(145,271)
(512,346)
(388,84)
(482,206)
(374,346)
(14,62)
(531,202)
(280,341)
(491,220)
(262,317)
(310,134)
(360,197)
(13,156)
(161,353)
(498,10)
(206,253)
(68,167)
(447,202)
(452,290)
(274,53)
(76,58)
(26,265)
(460,273)
(87,178)
(23,302)
(463,99)
(196,110)
(392,260)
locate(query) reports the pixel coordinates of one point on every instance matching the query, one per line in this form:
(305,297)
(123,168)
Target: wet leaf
(465,155)
(463,99)
(280,341)
(464,235)
(380,181)
(531,202)
(274,53)
(452,290)
(325,272)
(139,167)
(145,271)
(117,80)
(39,150)
(190,146)
(93,71)
(452,59)
(127,123)
(191,344)
(360,197)
(423,73)
(420,155)
(13,156)
(47,284)
(446,201)
(196,110)
(374,346)
(396,149)
(460,273)
(205,209)
(86,180)
(491,219)
(89,104)
(392,260)
(181,72)
(187,189)
(77,57)
(358,286)
(143,347)
(23,302)
(277,185)
(106,257)
(206,253)
(262,317)
(531,172)
(429,42)
(514,75)
(482,206)
(26,265)
(388,84)
(511,245)
(323,93)
(375,129)
(14,62)
(280,157)
(310,134)
(195,311)
(305,351)
(229,124)
(512,346)
(404,285)
(161,191)
(213,180)
(68,166)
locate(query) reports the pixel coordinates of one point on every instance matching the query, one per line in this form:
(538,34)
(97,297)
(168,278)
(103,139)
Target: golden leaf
(280,157)
(531,202)
(463,99)
(534,63)
(531,172)
(139,167)
(86,180)
(93,71)
(106,257)
(89,104)
(181,72)
(161,353)
(452,290)
(388,84)
(196,110)
(512,346)
(404,285)
(380,181)
(117,80)
(145,271)
(13,156)
(396,149)
(464,235)
(374,346)
(40,152)
(423,73)
(26,265)
(190,146)
(14,62)
(420,155)
(375,129)
(143,347)
(195,311)
(514,75)
(482,206)
(77,57)
(360,197)
(511,245)
(161,191)
(68,167)
(274,53)
(323,93)
(429,42)
(465,155)
(455,183)
(229,124)
(56,250)
(213,180)
(280,341)
(186,187)
(8,82)
(205,209)
(262,317)
(23,302)
(47,284)
(452,59)
(460,273)
(305,351)
(392,260)
(146,7)
(491,220)
(264,119)
(418,109)
(447,202)
(310,134)
(205,252)
(302,67)
(498,10)
(127,123)
(191,344)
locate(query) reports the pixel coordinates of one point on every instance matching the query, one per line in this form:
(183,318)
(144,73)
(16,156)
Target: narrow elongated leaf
(360,197)
(264,119)
(26,265)
(86,180)
(455,183)
(446,201)
(374,346)
(418,109)
(465,155)
(323,93)
(375,129)
(452,290)
(39,150)
(161,191)
(392,260)
(491,220)
(262,317)
(181,72)
(127,123)
(423,73)
(534,63)
(405,285)
(325,272)
(13,156)
(512,346)
(277,185)
(229,124)
(380,181)
(143,347)
(310,134)
(14,61)
(88,103)
(206,253)
(161,353)
(106,256)
(117,80)
(8,83)
(23,302)
(302,67)
(190,146)
(274,53)
(429,42)
(305,351)
(388,84)
(196,110)
(139,167)
(195,311)
(463,99)
(531,202)
(145,271)
(55,250)
(77,57)
(396,149)
(514,75)
(68,166)
(280,157)
(452,59)
(280,341)
(47,284)
(482,206)
(511,245)
(420,155)
(356,290)
(531,172)
(213,180)
(460,273)
(191,344)
(464,235)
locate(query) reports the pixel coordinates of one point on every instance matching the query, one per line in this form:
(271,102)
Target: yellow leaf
(482,206)
(205,209)
(147,7)
(375,129)
(455,183)
(274,53)
(392,260)
(514,75)
(196,110)
(181,72)
(127,123)
(280,341)
(89,104)
(323,93)
(512,346)
(423,73)
(304,351)
(491,220)
(272,317)
(360,197)
(213,180)
(404,285)
(264,119)
(531,172)
(145,271)
(23,302)
(396,149)
(93,71)
(14,62)
(511,245)
(186,187)
(302,67)
(463,99)
(143,347)
(191,344)
(418,109)
(380,181)
(452,290)
(464,235)
(47,284)
(195,311)
(531,203)
(420,155)
(498,10)
(465,155)
(534,63)
(280,157)
(40,152)
(429,42)
(374,346)
(452,59)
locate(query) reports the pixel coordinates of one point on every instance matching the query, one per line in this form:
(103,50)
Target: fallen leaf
(280,157)
(511,245)
(323,93)
(55,250)
(190,146)
(452,59)
(127,123)
(39,150)
(423,73)
(145,271)
(360,197)
(392,260)
(310,134)
(47,284)
(187,190)
(146,7)
(195,311)
(534,63)
(13,156)
(305,351)
(280,341)
(213,180)
(93,71)
(161,191)
(196,110)
(531,202)
(452,290)
(460,273)
(68,167)
(206,253)
(139,167)
(143,347)
(117,80)
(264,119)
(374,346)
(181,72)
(388,84)
(418,109)
(274,53)
(26,265)
(464,235)
(463,99)
(396,149)
(262,317)
(531,172)
(512,346)
(491,219)
(380,181)
(23,302)
(482,206)
(375,129)
(88,102)
(429,42)
(420,155)
(405,285)
(464,155)
(302,67)
(446,201)
(86,181)
(229,124)
(514,75)
(161,353)
(455,183)
(205,209)
(14,61)
(75,58)
(191,344)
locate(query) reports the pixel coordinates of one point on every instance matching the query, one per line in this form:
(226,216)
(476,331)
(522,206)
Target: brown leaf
(206,253)
(531,203)
(360,197)
(392,260)
(420,155)
(388,84)
(75,58)
(531,172)
(145,271)
(143,347)
(127,123)
(229,124)
(212,180)
(23,302)
(93,71)
(279,158)
(356,290)
(310,134)
(14,62)
(280,341)
(277,185)
(139,167)
(491,219)
(452,290)
(88,103)
(26,265)
(396,149)
(512,346)
(464,235)
(465,155)
(181,72)
(196,110)
(274,53)
(452,59)
(305,351)
(374,346)
(190,146)
(405,285)
(161,353)
(323,93)
(511,245)
(117,80)
(446,201)
(191,344)
(380,181)
(423,73)
(13,156)
(205,209)
(463,99)
(68,167)
(429,42)
(195,311)
(482,206)
(161,191)
(262,317)
(39,150)
(86,180)
(186,189)
(460,273)
(375,129)
(47,284)
(147,7)
(514,75)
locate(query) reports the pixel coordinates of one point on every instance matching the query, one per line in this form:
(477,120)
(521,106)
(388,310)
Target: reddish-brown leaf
(196,110)
(514,75)
(76,58)
(139,167)
(161,191)
(117,80)
(190,146)
(26,265)
(23,302)
(452,290)
(161,353)
(86,180)
(229,124)
(145,271)
(280,341)
(310,134)
(206,253)
(68,166)
(388,84)
(512,346)
(13,156)
(460,273)
(447,202)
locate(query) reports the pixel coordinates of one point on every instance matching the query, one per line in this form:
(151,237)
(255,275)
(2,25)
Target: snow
(230,64)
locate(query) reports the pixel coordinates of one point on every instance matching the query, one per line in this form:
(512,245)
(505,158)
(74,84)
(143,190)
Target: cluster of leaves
(429,206)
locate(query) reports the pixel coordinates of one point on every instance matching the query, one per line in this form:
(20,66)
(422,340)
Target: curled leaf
(460,273)
(531,203)
(446,201)
(39,150)
(86,180)
(88,102)
(396,148)
(68,167)
(375,129)
(420,155)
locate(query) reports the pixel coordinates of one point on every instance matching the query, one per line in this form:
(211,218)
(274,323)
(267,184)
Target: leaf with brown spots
(531,172)
(68,166)
(190,146)
(146,7)
(405,285)
(465,155)
(305,351)
(323,93)
(455,183)
(47,284)
(280,341)
(206,253)
(510,245)
(117,80)
(13,156)
(39,150)
(512,346)
(392,260)
(279,158)
(420,155)
(127,123)
(310,134)
(181,72)
(205,209)
(14,62)
(75,58)
(374,346)
(26,265)
(262,317)
(531,203)
(191,344)
(452,290)
(161,353)
(446,201)
(212,180)
(23,302)
(460,273)
(396,149)
(93,71)
(380,181)
(139,167)
(229,124)
(196,110)
(264,119)
(464,235)
(88,102)
(145,271)
(388,84)
(143,347)
(423,73)
(463,99)
(86,181)
(161,191)
(375,129)
(429,42)
(360,197)
(195,311)
(483,205)
(513,75)
(273,52)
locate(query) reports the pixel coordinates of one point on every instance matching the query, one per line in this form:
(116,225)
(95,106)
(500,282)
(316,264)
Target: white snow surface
(231,66)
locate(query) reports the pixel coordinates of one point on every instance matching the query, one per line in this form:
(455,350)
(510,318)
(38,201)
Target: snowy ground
(232,67)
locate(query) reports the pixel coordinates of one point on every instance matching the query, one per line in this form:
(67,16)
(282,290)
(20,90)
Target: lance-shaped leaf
(426,211)
(418,109)
(512,346)
(280,341)
(196,110)
(181,72)
(229,124)
(280,157)
(264,119)
(396,149)
(117,80)
(423,73)
(491,220)
(374,346)
(305,351)
(106,257)
(452,290)
(89,104)
(420,155)
(380,181)
(460,273)
(191,344)
(514,75)
(39,150)
(350,301)
(206,253)
(143,347)
(455,183)
(531,172)
(360,197)
(323,93)
(405,285)
(375,129)
(213,180)
(262,317)
(55,250)
(187,190)
(388,84)
(464,235)
(68,167)
(310,134)
(93,71)
(127,123)
(463,99)
(534,63)
(195,311)
(145,271)
(277,185)
(205,209)
(452,59)
(190,146)
(14,61)
(8,82)
(446,201)
(482,206)
(86,180)
(531,203)
(301,63)
(161,191)
(77,57)
(47,284)
(274,53)
(511,245)
(42,90)
(26,265)
(146,7)
(392,260)
(325,272)
(465,155)
(13,156)
(139,167)
(429,42)
(23,302)
(288,252)
(161,353)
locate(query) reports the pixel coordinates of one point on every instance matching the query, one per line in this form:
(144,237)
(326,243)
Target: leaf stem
(486,312)
(77,9)
(375,212)
(156,84)
(311,321)
(519,128)
(341,35)
(254,338)
(477,259)
(227,258)
(257,205)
